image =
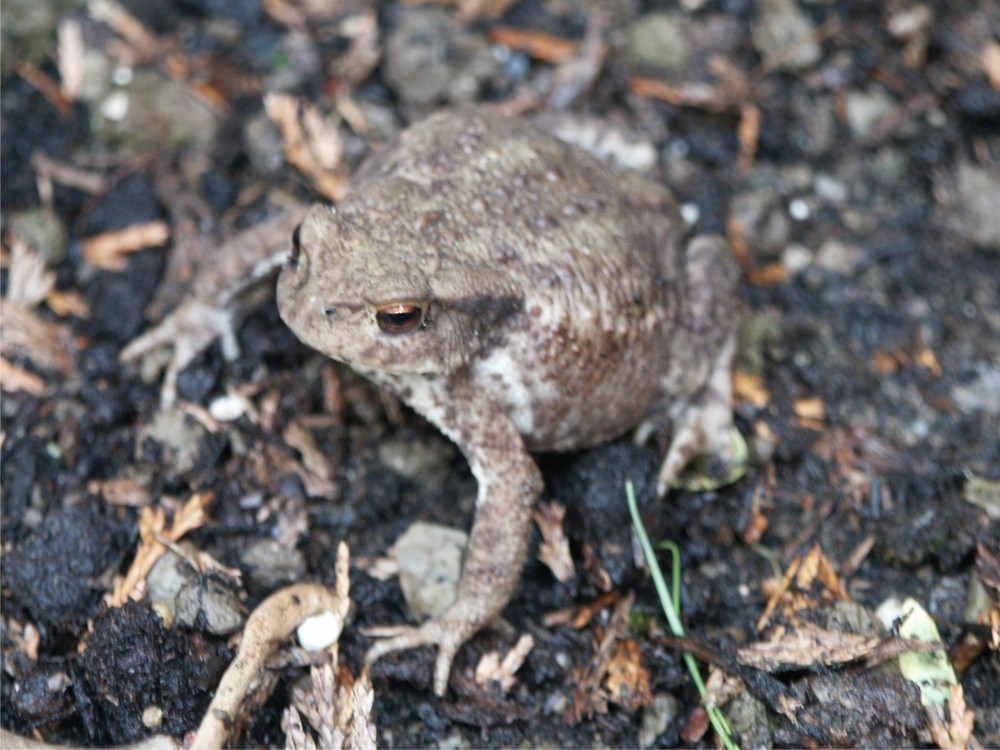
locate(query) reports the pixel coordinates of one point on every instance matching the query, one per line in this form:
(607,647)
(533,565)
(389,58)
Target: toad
(522,295)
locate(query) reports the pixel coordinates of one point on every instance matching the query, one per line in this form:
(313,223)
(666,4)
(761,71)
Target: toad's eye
(401,317)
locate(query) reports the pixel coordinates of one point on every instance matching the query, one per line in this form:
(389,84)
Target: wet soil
(858,204)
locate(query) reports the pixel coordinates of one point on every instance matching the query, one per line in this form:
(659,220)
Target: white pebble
(116,106)
(690,212)
(799,209)
(319,631)
(228,408)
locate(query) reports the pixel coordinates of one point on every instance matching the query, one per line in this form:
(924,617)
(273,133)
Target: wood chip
(991,63)
(125,492)
(926,358)
(545,47)
(748,134)
(808,645)
(751,388)
(810,409)
(70,49)
(109,249)
(142,41)
(14,378)
(48,88)
(474,10)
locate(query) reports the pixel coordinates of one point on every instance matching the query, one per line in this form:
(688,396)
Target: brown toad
(521,295)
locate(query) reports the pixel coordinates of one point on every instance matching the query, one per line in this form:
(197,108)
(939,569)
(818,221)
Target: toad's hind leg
(703,426)
(701,413)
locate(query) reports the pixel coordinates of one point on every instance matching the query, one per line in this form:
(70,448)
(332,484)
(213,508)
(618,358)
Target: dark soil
(872,290)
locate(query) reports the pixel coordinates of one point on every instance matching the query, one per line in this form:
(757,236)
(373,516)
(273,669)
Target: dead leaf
(30,280)
(313,458)
(492,669)
(957,733)
(590,695)
(68,302)
(554,549)
(804,571)
(628,681)
(48,345)
(152,525)
(312,145)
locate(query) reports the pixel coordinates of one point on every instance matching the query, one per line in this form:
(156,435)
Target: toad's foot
(703,427)
(189,331)
(448,631)
(212,307)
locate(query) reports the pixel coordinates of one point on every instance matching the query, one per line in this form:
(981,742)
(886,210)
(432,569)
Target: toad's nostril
(293,256)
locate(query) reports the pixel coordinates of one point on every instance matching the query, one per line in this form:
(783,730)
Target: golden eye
(401,317)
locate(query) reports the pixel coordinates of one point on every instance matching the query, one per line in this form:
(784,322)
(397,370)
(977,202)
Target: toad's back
(595,251)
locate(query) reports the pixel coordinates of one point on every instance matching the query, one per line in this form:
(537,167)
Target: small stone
(982,393)
(785,36)
(228,408)
(179,438)
(430,57)
(865,109)
(796,258)
(209,603)
(971,206)
(154,113)
(839,257)
(152,717)
(169,575)
(748,719)
(658,44)
(425,460)
(271,565)
(42,230)
(830,190)
(430,564)
(656,717)
(763,220)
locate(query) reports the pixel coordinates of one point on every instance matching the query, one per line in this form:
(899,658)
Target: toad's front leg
(509,483)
